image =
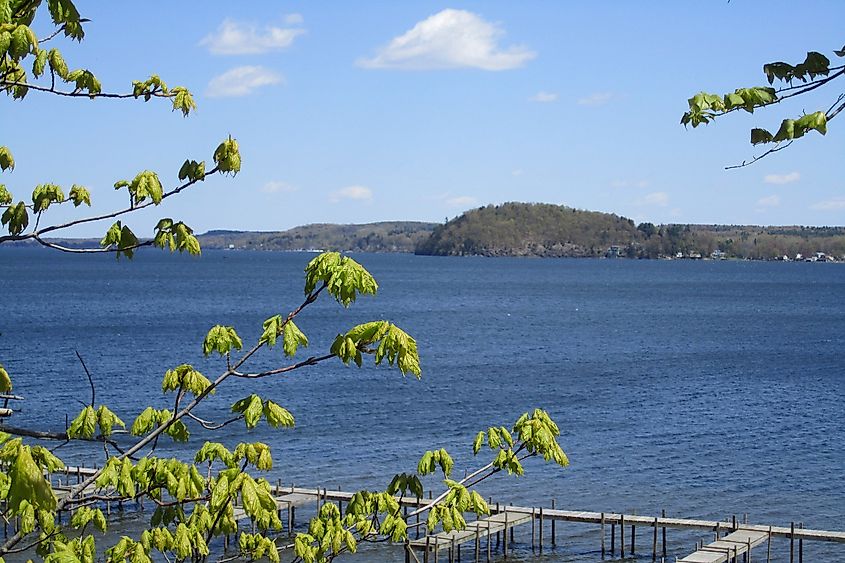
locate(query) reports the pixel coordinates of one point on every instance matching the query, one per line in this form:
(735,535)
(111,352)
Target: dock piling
(801,545)
(602,534)
(622,536)
(654,542)
(541,529)
(791,542)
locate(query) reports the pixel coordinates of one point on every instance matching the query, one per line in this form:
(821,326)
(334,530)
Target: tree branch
(90,379)
(79,94)
(112,215)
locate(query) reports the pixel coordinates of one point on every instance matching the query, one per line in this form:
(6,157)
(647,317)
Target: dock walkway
(728,548)
(484,528)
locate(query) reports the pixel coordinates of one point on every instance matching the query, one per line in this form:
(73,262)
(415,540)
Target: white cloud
(781,178)
(833,204)
(660,199)
(461,201)
(597,99)
(241,81)
(237,38)
(450,39)
(278,187)
(629,184)
(357,193)
(769,201)
(294,19)
(517,172)
(544,97)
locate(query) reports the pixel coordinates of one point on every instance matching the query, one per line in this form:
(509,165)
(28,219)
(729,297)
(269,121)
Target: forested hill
(530,229)
(389,236)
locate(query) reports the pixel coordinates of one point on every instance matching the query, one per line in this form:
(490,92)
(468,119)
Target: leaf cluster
(390,342)
(151,418)
(343,277)
(85,425)
(292,337)
(432,459)
(538,433)
(253,408)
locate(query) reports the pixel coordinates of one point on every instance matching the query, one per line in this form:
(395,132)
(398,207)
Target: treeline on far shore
(537,229)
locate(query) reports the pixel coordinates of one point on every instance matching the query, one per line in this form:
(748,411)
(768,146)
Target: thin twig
(90,379)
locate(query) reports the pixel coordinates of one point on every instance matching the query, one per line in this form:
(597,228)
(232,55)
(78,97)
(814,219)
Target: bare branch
(90,379)
(775,149)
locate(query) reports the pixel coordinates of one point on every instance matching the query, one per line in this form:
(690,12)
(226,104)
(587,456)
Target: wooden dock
(731,538)
(501,522)
(728,548)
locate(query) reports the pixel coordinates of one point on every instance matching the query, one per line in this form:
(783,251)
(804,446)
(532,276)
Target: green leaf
(192,170)
(446,462)
(184,102)
(5,12)
(345,278)
(57,63)
(251,407)
(176,236)
(211,451)
(145,422)
(45,194)
(293,338)
(221,339)
(39,63)
(220,493)
(28,484)
(227,156)
(107,420)
(185,377)
(787,131)
(7,162)
(145,185)
(813,121)
(759,136)
(79,195)
(178,431)
(272,329)
(5,380)
(400,349)
(121,237)
(479,440)
(277,416)
(16,217)
(84,425)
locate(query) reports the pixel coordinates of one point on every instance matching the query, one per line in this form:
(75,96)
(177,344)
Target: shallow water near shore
(707,389)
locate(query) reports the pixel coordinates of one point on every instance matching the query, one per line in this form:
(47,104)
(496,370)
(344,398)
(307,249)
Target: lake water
(707,389)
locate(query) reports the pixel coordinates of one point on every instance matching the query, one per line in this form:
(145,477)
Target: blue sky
(368,111)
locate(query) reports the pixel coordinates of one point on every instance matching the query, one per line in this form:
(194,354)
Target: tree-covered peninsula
(539,229)
(530,229)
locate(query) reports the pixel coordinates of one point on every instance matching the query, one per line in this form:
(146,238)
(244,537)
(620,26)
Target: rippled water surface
(707,389)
